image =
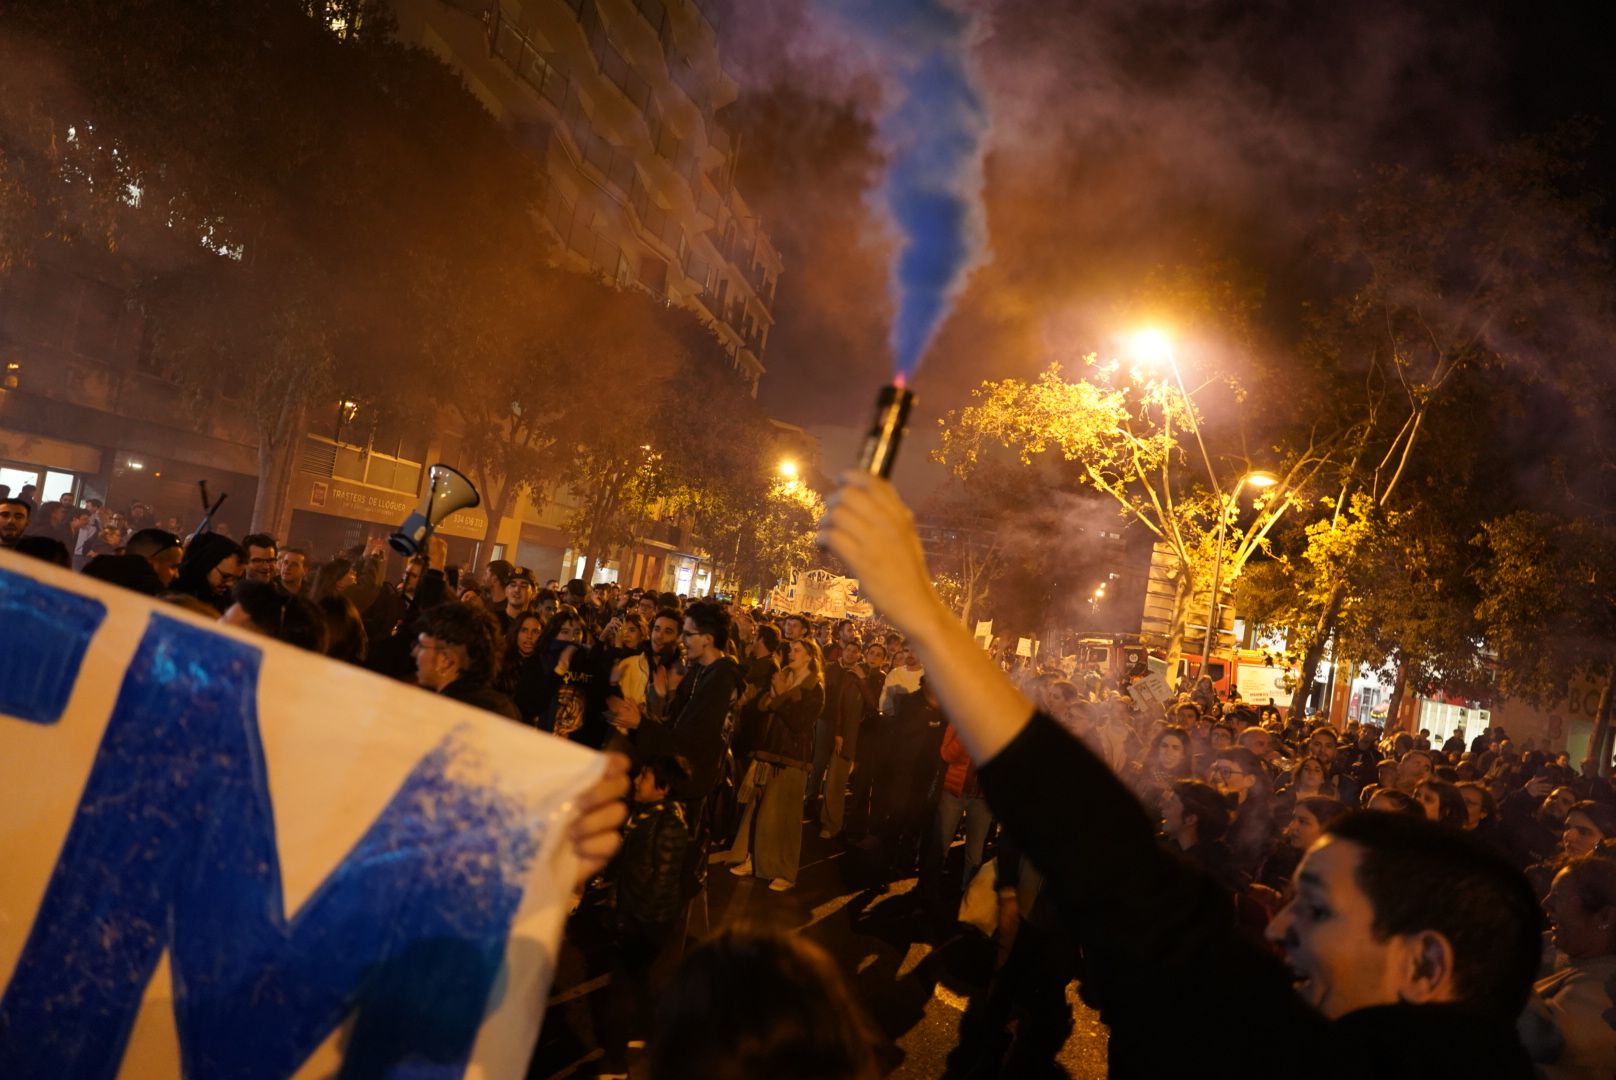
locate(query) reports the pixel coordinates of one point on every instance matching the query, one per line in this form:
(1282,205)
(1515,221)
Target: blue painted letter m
(173,847)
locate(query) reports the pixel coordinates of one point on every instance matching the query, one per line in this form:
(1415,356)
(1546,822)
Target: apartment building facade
(619,102)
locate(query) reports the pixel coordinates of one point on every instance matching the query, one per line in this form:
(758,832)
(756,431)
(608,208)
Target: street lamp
(1257,479)
(788,469)
(1154,346)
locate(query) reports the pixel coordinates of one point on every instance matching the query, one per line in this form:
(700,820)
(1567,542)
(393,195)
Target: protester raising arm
(1379,974)
(873,532)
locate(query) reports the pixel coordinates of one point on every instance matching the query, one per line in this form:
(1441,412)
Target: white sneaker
(742,868)
(780,884)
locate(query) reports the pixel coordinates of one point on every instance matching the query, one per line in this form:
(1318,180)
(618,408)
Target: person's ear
(1427,968)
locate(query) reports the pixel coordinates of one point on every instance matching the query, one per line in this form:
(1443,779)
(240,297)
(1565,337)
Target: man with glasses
(454,656)
(696,724)
(210,569)
(262,552)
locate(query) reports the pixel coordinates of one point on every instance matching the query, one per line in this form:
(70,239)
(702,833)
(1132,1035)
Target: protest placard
(1150,692)
(229,857)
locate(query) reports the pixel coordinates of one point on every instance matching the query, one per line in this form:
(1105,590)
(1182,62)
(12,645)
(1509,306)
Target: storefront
(53,467)
(542,550)
(121,477)
(330,516)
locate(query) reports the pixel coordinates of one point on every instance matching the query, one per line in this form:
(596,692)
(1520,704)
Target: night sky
(1126,139)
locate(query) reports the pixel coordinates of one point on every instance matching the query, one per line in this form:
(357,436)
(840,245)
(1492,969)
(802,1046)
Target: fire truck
(1261,677)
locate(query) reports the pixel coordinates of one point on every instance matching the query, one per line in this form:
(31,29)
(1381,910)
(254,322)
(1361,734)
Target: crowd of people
(1211,849)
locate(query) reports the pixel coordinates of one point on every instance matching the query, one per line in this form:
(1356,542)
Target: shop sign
(347,499)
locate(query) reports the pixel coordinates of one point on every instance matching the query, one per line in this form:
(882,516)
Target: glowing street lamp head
(1152,345)
(1260,479)
(788,469)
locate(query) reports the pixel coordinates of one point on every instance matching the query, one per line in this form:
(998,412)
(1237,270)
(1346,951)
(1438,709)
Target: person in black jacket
(646,874)
(844,704)
(426,585)
(794,703)
(697,724)
(1408,952)
(915,766)
(864,801)
(456,654)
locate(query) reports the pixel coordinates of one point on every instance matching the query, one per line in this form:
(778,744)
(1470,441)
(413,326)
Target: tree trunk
(1394,706)
(495,494)
(1315,651)
(1175,630)
(1598,752)
(275,459)
(1341,693)
(597,524)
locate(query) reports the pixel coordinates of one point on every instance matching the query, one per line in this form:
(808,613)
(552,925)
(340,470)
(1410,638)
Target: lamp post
(1154,346)
(1256,480)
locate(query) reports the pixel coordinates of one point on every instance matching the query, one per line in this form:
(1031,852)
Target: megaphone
(447,492)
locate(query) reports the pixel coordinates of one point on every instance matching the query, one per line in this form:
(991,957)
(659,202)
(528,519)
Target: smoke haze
(1127,139)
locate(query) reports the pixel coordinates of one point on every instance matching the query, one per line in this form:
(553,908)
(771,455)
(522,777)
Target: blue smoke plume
(933,136)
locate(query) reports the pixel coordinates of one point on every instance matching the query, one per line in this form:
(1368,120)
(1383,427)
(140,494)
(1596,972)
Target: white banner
(228,857)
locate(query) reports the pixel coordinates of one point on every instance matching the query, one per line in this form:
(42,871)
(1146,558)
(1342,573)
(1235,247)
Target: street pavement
(914,980)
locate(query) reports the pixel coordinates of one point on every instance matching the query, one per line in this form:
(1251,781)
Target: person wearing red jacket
(962,799)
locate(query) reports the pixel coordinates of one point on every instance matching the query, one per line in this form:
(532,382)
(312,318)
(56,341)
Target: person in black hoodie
(1408,951)
(210,569)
